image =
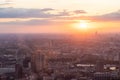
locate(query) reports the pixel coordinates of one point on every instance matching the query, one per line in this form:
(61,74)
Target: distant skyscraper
(18,71)
(39,61)
(99,66)
(27,62)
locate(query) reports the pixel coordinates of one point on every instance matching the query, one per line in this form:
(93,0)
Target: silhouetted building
(18,71)
(99,66)
(27,62)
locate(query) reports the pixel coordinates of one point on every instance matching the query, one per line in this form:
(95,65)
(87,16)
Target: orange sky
(59,16)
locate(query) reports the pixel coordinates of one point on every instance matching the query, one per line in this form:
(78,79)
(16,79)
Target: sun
(82,25)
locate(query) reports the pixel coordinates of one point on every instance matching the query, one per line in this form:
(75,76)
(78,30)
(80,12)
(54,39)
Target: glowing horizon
(17,16)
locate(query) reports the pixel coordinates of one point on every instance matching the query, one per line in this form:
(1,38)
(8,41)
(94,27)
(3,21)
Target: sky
(59,16)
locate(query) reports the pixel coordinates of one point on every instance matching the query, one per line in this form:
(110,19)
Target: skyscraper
(39,61)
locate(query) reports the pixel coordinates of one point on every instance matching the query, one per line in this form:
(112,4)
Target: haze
(59,16)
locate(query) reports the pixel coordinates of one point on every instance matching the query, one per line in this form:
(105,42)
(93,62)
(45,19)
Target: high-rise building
(99,66)
(38,61)
(27,62)
(18,71)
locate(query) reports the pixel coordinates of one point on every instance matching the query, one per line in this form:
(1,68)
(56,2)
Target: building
(38,61)
(105,76)
(18,71)
(99,66)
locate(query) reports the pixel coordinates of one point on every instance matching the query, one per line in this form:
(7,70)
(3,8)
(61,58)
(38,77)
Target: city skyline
(53,16)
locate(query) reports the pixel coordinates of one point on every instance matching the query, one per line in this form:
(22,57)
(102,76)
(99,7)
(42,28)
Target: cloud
(50,18)
(44,14)
(64,13)
(3,4)
(34,13)
(47,9)
(79,12)
(29,13)
(29,22)
(24,13)
(6,2)
(114,16)
(35,22)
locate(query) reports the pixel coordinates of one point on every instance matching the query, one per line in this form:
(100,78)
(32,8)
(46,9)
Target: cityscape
(59,39)
(50,57)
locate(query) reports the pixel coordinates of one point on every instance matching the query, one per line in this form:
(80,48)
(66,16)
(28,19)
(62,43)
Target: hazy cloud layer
(49,18)
(47,9)
(114,16)
(6,2)
(80,12)
(29,22)
(29,13)
(24,13)
(33,13)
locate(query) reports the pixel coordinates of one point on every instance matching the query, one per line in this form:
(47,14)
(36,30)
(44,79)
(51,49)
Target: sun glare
(82,25)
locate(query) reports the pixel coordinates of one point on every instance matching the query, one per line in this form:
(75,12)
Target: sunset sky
(59,16)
